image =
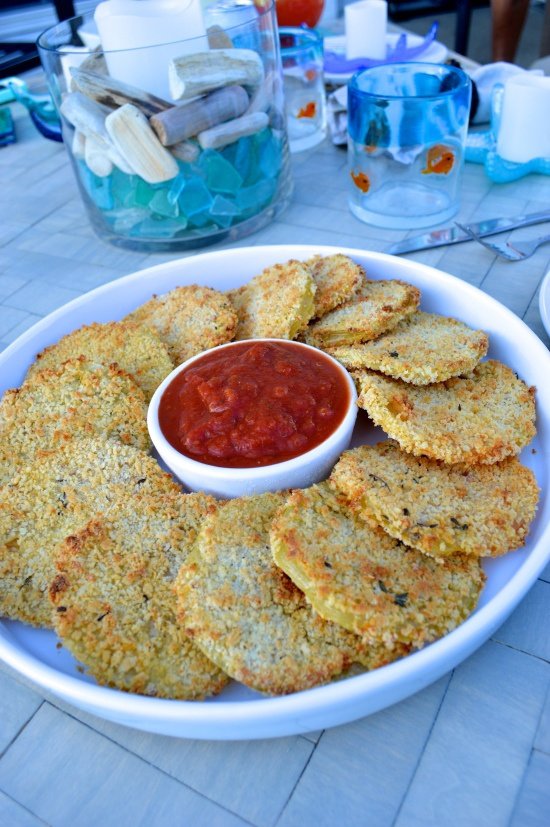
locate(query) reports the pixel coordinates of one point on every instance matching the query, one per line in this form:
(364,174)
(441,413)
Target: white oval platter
(239,713)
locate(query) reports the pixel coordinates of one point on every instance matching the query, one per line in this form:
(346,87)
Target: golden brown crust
(249,618)
(484,510)
(377,307)
(77,399)
(483,417)
(135,348)
(354,573)
(337,279)
(278,303)
(53,497)
(188,320)
(422,349)
(114,605)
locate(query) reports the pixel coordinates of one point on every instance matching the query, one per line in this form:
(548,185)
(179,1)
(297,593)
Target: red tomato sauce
(254,403)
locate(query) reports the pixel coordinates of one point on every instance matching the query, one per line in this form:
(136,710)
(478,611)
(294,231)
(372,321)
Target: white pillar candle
(366,29)
(524,131)
(173,27)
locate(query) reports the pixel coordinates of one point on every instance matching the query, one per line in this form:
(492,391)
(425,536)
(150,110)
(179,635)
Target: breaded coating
(354,573)
(482,417)
(114,602)
(377,307)
(249,618)
(337,279)
(421,349)
(77,399)
(484,510)
(188,320)
(135,348)
(276,304)
(55,496)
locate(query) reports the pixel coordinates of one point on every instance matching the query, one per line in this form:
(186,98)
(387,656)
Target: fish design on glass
(308,111)
(361,181)
(440,160)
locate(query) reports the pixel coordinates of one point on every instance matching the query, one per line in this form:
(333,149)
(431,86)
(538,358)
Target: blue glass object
(407,125)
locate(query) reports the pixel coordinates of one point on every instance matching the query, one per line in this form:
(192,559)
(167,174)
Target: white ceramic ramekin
(298,472)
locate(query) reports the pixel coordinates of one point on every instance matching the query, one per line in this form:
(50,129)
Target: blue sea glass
(221,176)
(161,204)
(195,197)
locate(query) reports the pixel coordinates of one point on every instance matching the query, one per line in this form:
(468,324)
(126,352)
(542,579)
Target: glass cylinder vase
(194,149)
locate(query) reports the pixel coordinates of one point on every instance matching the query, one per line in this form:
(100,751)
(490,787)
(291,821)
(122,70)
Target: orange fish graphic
(308,111)
(440,160)
(311,74)
(361,181)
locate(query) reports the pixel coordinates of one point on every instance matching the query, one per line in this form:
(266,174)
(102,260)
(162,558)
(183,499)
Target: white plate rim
(324,706)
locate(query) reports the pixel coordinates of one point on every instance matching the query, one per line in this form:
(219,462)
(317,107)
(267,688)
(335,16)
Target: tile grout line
(21,729)
(24,807)
(51,702)
(293,790)
(516,649)
(528,763)
(419,760)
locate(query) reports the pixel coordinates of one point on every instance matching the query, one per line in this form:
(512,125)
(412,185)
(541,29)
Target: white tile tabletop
(472,749)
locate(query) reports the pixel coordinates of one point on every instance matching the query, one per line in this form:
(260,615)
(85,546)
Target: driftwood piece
(95,62)
(78,144)
(132,136)
(229,132)
(97,159)
(186,151)
(181,122)
(113,93)
(87,116)
(196,74)
(218,38)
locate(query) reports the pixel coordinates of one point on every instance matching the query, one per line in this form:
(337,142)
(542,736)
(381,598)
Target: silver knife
(453,235)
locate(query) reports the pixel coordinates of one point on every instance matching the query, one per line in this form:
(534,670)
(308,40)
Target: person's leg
(545,39)
(508,17)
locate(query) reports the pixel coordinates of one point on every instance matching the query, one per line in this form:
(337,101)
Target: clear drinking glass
(208,193)
(407,125)
(305,98)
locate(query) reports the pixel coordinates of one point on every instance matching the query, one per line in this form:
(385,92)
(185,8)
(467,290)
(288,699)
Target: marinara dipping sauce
(253,403)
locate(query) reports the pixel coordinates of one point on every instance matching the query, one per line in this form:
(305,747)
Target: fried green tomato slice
(77,399)
(482,417)
(188,320)
(248,617)
(337,279)
(135,348)
(277,304)
(484,510)
(355,574)
(422,349)
(56,495)
(114,605)
(377,307)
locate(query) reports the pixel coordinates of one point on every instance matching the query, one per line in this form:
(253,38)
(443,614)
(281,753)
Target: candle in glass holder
(171,28)
(366,23)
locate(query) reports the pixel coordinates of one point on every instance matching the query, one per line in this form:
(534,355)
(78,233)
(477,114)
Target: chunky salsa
(254,403)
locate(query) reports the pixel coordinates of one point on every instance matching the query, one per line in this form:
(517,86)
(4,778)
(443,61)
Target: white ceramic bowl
(298,472)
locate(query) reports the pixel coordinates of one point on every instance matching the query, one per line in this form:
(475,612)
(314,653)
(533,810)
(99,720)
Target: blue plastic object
(481,148)
(40,108)
(336,64)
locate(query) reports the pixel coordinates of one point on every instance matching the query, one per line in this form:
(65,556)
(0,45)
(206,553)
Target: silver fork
(511,251)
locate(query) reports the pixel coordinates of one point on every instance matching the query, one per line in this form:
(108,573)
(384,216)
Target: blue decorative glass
(407,125)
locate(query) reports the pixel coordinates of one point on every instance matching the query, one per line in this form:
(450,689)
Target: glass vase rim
(262,12)
(463,77)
